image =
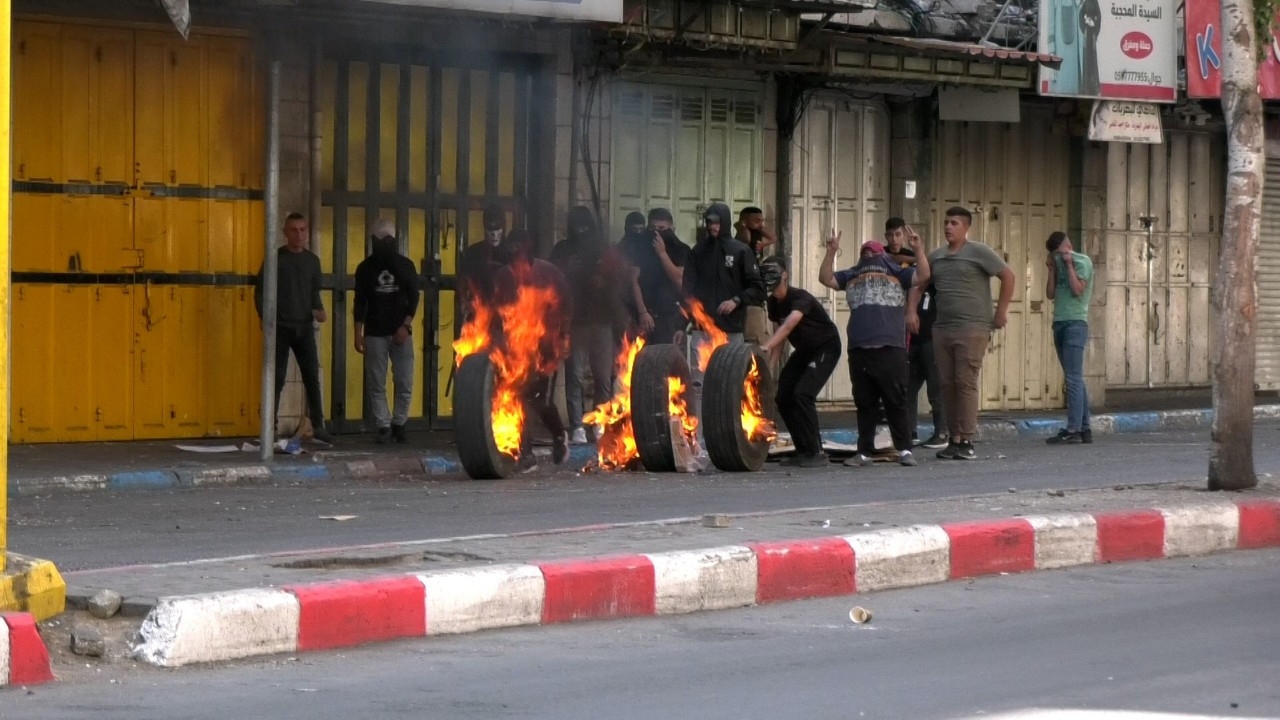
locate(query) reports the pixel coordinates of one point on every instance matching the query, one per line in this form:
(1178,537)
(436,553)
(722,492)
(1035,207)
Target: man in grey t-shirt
(962,273)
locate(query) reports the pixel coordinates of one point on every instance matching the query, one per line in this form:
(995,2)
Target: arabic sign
(600,10)
(1111,49)
(1204,54)
(1116,121)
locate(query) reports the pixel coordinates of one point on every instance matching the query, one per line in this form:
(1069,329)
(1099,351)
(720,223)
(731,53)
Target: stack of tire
(724,385)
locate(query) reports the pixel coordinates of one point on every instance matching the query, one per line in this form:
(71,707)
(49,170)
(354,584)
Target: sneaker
(1086,437)
(965,451)
(906,458)
(935,441)
(528,462)
(814,461)
(949,452)
(560,448)
(322,435)
(859,460)
(579,437)
(383,437)
(398,432)
(1064,437)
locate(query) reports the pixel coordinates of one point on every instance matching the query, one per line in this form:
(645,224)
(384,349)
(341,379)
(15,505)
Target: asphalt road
(1191,635)
(101,529)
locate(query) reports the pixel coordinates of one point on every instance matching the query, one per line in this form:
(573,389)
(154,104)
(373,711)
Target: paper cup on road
(860,615)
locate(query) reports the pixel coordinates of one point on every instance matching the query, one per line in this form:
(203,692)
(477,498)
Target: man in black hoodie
(386,300)
(657,259)
(721,274)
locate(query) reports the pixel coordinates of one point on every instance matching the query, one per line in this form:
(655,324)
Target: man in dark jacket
(480,260)
(721,275)
(298,308)
(521,269)
(596,274)
(386,299)
(657,258)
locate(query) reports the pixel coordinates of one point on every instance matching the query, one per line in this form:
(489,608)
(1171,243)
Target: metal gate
(1267,374)
(1159,282)
(1013,177)
(137,186)
(840,179)
(682,148)
(427,144)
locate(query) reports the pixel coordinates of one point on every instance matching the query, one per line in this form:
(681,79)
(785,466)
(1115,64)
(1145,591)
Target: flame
(616,447)
(757,427)
(678,407)
(521,355)
(716,337)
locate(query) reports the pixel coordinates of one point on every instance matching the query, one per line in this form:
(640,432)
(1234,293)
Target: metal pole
(270,263)
(6,121)
(1148,222)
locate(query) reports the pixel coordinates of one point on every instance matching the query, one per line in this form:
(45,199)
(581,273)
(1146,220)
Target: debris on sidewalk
(208,448)
(715,521)
(88,641)
(104,604)
(339,518)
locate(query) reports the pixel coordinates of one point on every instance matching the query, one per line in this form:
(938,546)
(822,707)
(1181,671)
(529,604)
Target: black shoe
(813,461)
(1086,437)
(398,432)
(935,441)
(322,435)
(528,462)
(383,437)
(949,452)
(1065,437)
(560,448)
(965,451)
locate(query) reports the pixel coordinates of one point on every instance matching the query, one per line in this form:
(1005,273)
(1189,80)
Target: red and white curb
(244,623)
(23,657)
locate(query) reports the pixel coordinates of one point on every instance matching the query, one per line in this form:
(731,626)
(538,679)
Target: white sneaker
(906,458)
(579,437)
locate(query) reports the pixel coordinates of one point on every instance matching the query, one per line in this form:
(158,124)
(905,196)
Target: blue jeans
(1070,338)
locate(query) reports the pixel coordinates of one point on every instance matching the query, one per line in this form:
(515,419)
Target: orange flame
(616,448)
(754,423)
(678,407)
(521,355)
(716,337)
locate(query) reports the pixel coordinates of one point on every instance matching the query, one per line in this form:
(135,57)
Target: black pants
(539,400)
(665,327)
(302,341)
(880,375)
(799,383)
(924,372)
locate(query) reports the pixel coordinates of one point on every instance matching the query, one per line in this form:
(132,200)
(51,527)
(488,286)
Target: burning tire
(473,421)
(650,410)
(723,391)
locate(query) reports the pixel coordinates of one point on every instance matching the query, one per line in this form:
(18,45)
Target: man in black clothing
(657,259)
(481,260)
(298,306)
(924,370)
(521,269)
(386,299)
(752,232)
(816,344)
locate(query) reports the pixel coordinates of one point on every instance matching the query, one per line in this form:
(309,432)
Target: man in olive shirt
(962,273)
(298,305)
(1069,284)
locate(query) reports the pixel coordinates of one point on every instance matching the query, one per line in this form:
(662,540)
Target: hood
(726,219)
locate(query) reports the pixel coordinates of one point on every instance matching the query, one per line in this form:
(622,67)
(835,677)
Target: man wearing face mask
(481,260)
(657,259)
(386,299)
(595,272)
(722,275)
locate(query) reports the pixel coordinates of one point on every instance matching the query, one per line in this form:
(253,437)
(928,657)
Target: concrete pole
(270,264)
(6,122)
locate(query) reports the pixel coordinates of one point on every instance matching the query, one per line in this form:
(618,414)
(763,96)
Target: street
(1189,636)
(107,529)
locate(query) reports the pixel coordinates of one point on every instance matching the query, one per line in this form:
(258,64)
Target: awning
(963,49)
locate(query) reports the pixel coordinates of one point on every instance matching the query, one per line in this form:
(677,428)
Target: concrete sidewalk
(37,469)
(225,608)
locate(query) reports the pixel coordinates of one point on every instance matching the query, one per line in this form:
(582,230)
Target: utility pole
(1235,291)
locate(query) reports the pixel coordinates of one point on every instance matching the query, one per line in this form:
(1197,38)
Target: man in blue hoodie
(386,300)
